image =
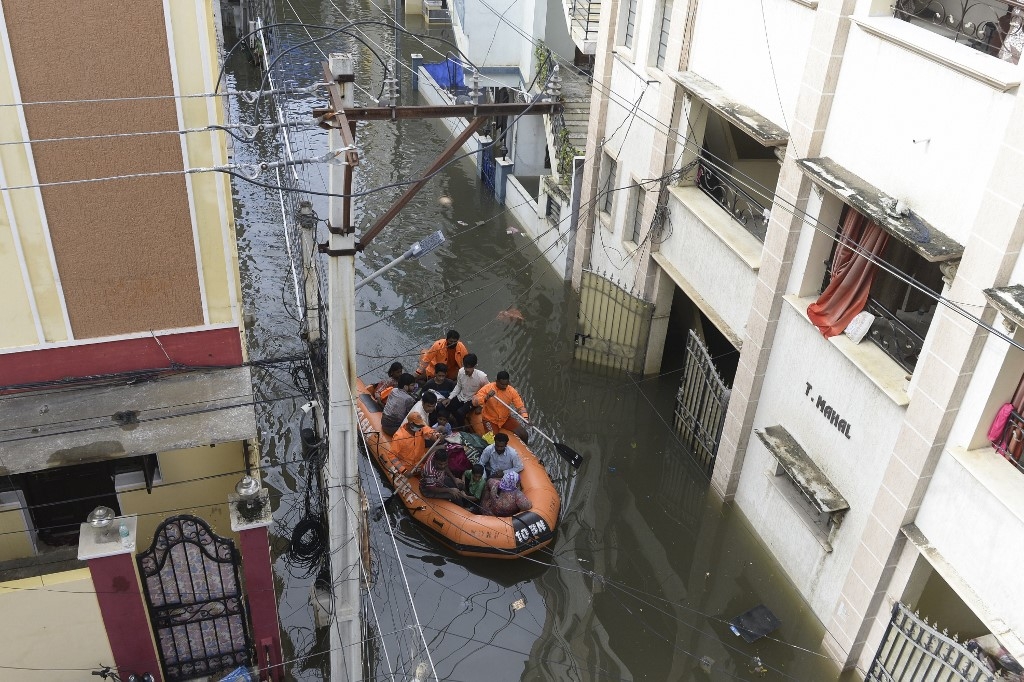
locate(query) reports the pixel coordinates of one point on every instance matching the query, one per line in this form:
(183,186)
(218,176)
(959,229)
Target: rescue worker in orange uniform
(497,417)
(448,350)
(408,445)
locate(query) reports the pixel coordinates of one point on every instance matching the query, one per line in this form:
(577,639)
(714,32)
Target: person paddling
(494,400)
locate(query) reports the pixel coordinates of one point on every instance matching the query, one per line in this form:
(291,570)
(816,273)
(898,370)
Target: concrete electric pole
(342,466)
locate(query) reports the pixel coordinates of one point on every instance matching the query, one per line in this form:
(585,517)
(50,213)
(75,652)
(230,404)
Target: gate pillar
(250,521)
(112,565)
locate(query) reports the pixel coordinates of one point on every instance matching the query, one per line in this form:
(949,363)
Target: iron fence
(724,191)
(914,649)
(995,27)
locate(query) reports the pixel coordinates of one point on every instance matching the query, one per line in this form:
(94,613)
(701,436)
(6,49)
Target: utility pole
(342,467)
(342,472)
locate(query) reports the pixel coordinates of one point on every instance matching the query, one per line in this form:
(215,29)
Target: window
(604,199)
(804,485)
(637,206)
(630,24)
(901,311)
(738,173)
(666,19)
(553,212)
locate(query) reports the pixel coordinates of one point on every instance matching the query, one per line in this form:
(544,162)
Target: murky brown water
(647,566)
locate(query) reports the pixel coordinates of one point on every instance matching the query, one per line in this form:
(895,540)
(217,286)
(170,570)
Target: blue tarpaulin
(238,675)
(448,74)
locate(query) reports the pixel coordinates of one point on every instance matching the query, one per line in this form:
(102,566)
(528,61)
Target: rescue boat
(468,534)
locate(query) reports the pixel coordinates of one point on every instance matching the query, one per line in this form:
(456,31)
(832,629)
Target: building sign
(829,412)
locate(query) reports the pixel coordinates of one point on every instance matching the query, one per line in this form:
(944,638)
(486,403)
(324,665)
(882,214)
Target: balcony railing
(1011,445)
(744,208)
(995,27)
(585,17)
(899,341)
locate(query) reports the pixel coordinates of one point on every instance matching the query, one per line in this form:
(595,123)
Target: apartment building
(761,172)
(123,382)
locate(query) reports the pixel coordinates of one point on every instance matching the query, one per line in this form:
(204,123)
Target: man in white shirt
(468,381)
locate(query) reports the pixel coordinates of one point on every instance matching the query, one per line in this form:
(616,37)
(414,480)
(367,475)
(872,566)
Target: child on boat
(475,482)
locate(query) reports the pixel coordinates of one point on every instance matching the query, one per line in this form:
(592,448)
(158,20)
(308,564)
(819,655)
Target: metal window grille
(666,18)
(609,184)
(639,197)
(630,24)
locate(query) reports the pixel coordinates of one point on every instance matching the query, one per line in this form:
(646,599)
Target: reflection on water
(647,567)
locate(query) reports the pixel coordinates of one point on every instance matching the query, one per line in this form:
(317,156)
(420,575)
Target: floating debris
(445,201)
(706,662)
(462,222)
(518,604)
(511,315)
(512,230)
(755,623)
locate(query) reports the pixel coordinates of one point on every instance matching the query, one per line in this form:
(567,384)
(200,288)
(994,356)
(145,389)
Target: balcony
(727,193)
(993,27)
(584,16)
(899,334)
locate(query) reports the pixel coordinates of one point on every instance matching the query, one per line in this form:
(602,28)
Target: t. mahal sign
(829,412)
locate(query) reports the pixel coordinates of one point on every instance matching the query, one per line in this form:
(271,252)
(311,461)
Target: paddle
(574,458)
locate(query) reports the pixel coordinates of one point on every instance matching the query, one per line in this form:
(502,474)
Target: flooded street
(647,566)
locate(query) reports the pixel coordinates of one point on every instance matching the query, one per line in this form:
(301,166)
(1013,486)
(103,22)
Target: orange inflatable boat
(469,534)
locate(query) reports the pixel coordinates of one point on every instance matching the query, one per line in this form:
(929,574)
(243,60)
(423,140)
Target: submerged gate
(912,649)
(487,168)
(701,402)
(190,577)
(613,325)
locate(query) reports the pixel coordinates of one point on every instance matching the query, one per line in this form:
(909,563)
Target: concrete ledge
(987,69)
(998,476)
(882,370)
(718,221)
(698,300)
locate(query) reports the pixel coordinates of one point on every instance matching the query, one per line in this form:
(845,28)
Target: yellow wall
(52,622)
(22,208)
(196,68)
(219,468)
(14,539)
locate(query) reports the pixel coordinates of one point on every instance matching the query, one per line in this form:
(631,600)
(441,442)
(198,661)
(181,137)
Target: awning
(740,115)
(1009,301)
(812,482)
(76,425)
(928,242)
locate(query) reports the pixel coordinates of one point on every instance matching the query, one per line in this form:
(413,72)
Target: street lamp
(417,250)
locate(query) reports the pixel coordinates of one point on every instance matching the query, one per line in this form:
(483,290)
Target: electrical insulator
(475,92)
(553,89)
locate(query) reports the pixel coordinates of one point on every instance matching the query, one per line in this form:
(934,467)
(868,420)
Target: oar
(574,458)
(426,454)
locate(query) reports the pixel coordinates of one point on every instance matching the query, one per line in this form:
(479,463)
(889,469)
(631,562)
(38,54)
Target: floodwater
(647,566)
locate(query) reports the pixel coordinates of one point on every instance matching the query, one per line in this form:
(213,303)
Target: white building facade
(733,146)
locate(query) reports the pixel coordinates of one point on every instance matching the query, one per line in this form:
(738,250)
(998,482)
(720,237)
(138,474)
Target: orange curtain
(852,274)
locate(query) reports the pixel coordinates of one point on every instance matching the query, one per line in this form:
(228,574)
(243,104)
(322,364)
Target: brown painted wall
(124,248)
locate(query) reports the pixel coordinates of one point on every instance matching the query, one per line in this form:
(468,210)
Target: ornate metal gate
(613,324)
(190,576)
(487,168)
(914,650)
(701,402)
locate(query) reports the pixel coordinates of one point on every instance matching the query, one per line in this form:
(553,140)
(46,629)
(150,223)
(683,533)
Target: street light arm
(417,250)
